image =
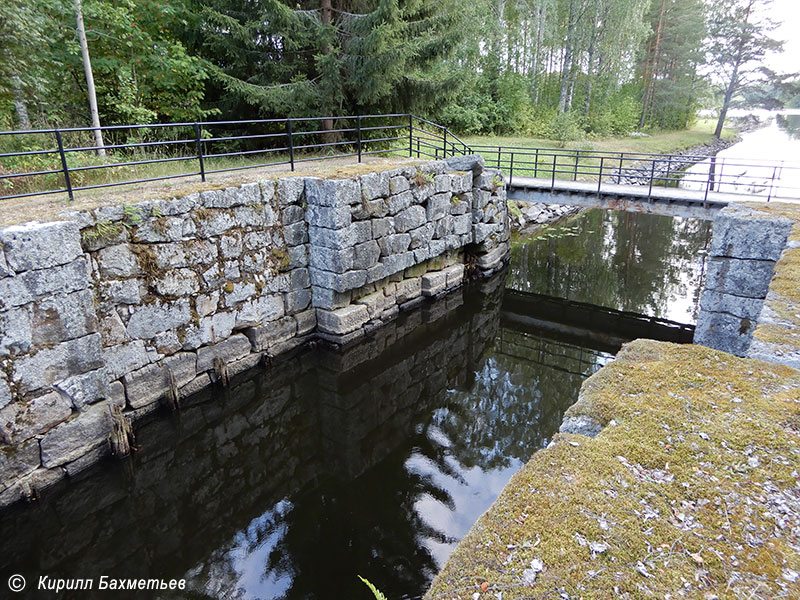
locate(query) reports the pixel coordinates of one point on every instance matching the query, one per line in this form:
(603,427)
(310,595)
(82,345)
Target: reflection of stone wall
(745,246)
(134,306)
(203,475)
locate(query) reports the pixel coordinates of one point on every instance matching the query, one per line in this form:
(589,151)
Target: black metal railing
(64,161)
(759,178)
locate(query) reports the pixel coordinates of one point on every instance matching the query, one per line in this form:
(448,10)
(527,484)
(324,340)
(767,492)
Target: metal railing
(65,161)
(761,178)
(71,164)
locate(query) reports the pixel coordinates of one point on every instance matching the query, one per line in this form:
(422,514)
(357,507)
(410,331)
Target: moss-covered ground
(691,490)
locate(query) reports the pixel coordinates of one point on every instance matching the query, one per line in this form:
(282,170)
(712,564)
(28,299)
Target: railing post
(511,169)
(291,142)
(358,127)
(64,165)
(553,177)
(600,175)
(772,183)
(411,137)
(619,172)
(536,164)
(444,143)
(199,142)
(577,158)
(652,176)
(669,168)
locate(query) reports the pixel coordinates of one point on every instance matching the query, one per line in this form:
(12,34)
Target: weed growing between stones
(422,177)
(102,231)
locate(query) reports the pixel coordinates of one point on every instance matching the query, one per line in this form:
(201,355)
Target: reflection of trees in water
(789,124)
(628,261)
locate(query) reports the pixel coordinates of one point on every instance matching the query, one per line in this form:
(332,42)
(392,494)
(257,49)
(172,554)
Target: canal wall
(234,456)
(746,245)
(113,312)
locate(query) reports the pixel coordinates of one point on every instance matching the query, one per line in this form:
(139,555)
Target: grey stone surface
(215,222)
(382,227)
(306,321)
(397,262)
(149,319)
(242,290)
(209,330)
(343,282)
(292,214)
(740,232)
(23,460)
(23,419)
(183,366)
(51,365)
(434,283)
(86,388)
(290,190)
(470,162)
(331,217)
(5,393)
(455,275)
(296,234)
(263,339)
(398,184)
(298,256)
(342,320)
(422,235)
(581,425)
(375,185)
(260,310)
(60,318)
(748,278)
(332,192)
(330,259)
(15,331)
(40,245)
(234,348)
(738,306)
(410,218)
(723,331)
(5,270)
(366,255)
(494,257)
(76,437)
(297,301)
(408,289)
(146,386)
(64,279)
(329,299)
(124,358)
(117,261)
(400,202)
(121,291)
(177,282)
(394,244)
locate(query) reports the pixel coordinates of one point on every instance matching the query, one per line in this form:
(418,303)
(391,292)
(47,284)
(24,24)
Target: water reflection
(373,461)
(647,264)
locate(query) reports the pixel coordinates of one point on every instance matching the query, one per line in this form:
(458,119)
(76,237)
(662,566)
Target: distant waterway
(371,461)
(764,159)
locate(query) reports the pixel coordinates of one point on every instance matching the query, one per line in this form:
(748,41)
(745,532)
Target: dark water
(373,461)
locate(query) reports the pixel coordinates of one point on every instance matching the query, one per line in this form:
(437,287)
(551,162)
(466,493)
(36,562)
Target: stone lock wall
(745,246)
(135,306)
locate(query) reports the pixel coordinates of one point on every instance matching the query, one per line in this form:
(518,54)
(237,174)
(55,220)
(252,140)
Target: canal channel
(374,460)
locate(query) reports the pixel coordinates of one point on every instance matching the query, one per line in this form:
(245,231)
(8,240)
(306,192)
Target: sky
(786,12)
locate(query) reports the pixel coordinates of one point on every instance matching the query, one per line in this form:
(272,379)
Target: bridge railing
(65,161)
(771,179)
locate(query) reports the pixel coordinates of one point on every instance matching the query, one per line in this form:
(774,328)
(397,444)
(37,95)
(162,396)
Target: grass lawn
(658,143)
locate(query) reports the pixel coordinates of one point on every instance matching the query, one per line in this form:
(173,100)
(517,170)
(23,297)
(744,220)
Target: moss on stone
(684,493)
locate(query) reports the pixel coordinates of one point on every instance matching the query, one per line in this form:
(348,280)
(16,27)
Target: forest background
(565,69)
